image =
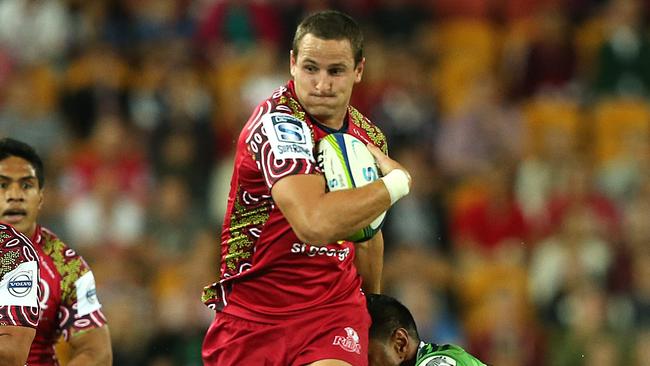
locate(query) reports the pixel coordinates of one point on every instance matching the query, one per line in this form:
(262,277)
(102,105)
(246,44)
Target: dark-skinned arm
(369,260)
(91,348)
(15,343)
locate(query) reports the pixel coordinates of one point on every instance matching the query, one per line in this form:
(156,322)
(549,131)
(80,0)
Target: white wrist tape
(397,184)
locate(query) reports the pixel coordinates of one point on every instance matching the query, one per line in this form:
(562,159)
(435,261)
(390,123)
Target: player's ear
(41,196)
(292,63)
(358,70)
(401,342)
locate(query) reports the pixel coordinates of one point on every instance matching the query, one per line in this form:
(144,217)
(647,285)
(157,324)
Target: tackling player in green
(394,339)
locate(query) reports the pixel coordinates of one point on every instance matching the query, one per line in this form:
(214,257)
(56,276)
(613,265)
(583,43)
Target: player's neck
(334,122)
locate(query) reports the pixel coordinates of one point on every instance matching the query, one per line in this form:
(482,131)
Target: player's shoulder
(56,248)
(446,355)
(281,103)
(363,125)
(11,238)
(15,248)
(50,241)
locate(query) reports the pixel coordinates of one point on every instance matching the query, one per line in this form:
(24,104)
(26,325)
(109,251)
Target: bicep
(96,343)
(296,196)
(96,336)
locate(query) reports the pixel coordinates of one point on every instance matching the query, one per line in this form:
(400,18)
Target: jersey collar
(37,238)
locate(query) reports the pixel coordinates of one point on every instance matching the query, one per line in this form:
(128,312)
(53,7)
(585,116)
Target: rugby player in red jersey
(19,307)
(68,300)
(290,287)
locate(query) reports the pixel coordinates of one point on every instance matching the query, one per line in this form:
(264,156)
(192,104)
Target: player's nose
(323,82)
(14,193)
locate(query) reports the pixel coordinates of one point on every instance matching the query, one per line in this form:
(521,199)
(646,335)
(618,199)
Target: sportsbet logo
(21,284)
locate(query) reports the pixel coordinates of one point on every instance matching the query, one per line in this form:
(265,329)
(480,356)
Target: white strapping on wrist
(397,184)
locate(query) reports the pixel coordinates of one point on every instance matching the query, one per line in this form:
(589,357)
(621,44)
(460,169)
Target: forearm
(369,260)
(9,357)
(14,345)
(340,214)
(89,358)
(319,217)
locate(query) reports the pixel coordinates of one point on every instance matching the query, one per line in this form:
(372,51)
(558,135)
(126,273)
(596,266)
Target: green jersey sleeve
(445,355)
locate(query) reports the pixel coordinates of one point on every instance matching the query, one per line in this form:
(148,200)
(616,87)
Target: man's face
(382,354)
(399,350)
(324,74)
(21,197)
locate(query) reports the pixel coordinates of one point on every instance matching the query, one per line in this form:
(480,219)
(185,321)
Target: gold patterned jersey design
(378,138)
(243,218)
(8,262)
(70,267)
(4,236)
(296,108)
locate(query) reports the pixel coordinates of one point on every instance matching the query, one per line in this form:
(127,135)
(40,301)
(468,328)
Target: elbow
(315,233)
(311,236)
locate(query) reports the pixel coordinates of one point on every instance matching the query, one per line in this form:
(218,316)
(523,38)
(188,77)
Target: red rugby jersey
(267,273)
(18,279)
(68,298)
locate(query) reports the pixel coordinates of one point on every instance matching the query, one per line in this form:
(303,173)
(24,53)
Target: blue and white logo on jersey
(87,300)
(288,129)
(21,284)
(18,287)
(289,137)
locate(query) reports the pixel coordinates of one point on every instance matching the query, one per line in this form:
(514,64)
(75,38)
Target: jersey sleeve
(80,308)
(19,274)
(282,145)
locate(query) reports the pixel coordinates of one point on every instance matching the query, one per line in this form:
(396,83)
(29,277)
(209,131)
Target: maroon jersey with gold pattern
(68,299)
(18,279)
(267,273)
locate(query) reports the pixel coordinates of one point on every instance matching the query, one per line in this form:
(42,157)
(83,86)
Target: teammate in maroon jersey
(290,288)
(68,300)
(19,275)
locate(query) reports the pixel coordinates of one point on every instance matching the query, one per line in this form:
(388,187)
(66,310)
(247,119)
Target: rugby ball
(347,163)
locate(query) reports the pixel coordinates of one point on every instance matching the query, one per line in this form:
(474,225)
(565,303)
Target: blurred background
(525,124)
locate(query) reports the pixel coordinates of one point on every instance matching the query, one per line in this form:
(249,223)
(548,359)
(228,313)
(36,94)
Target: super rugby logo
(20,285)
(350,342)
(289,137)
(289,130)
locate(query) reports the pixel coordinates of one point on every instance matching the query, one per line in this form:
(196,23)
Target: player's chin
(322,110)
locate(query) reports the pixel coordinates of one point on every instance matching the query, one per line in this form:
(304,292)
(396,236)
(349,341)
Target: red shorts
(320,335)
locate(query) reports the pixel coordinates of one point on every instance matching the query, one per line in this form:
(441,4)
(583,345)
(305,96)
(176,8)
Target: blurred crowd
(525,124)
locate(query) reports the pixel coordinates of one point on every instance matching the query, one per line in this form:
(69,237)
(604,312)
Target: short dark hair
(387,315)
(331,24)
(10,147)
